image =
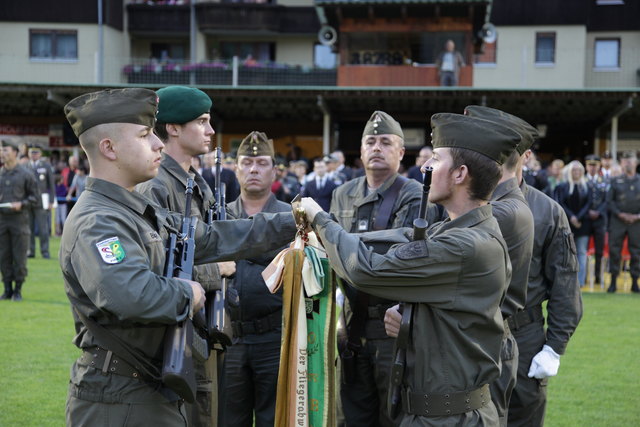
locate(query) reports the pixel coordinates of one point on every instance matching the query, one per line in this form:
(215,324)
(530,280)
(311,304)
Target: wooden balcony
(396,75)
(256,18)
(158,19)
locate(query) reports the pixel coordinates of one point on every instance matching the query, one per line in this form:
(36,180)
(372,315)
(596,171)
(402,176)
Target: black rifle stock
(420,226)
(184,341)
(216,311)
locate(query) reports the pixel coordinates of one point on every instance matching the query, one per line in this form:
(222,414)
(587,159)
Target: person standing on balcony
(449,63)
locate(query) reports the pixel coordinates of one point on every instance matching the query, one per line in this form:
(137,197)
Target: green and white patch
(111,250)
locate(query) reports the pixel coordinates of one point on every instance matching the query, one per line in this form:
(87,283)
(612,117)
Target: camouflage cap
(526,131)
(181,104)
(490,138)
(256,144)
(131,105)
(380,123)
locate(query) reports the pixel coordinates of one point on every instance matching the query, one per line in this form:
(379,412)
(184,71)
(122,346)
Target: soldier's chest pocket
(154,245)
(13,189)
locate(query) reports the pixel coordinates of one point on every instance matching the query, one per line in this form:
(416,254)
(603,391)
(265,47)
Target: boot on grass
(634,285)
(612,287)
(8,291)
(17,295)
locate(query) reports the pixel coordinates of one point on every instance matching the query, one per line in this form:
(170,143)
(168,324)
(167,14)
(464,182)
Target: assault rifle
(420,225)
(216,311)
(188,339)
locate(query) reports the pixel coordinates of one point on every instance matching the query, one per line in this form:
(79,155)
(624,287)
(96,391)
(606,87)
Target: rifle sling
(112,342)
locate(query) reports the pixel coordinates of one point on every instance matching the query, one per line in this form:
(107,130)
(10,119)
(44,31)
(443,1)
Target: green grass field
(598,383)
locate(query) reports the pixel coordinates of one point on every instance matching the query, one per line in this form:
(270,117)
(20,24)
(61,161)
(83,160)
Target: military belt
(257,326)
(525,317)
(438,405)
(107,362)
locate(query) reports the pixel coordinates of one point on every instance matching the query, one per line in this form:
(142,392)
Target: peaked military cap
(490,138)
(526,131)
(592,159)
(181,104)
(34,147)
(607,155)
(380,123)
(131,105)
(256,144)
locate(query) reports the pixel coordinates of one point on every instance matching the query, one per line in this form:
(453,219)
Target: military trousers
(84,413)
(40,226)
(14,235)
(529,398)
(502,388)
(364,402)
(617,234)
(250,384)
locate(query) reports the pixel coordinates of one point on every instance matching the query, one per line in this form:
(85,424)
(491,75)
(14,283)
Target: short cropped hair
(484,172)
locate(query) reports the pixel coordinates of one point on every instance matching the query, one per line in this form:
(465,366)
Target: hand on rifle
(198,295)
(227,268)
(392,320)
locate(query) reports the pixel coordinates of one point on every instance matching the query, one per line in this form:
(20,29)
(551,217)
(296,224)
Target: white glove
(544,364)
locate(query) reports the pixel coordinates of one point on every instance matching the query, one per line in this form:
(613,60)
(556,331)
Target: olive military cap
(256,144)
(9,143)
(628,155)
(526,131)
(131,105)
(492,139)
(181,104)
(592,159)
(380,123)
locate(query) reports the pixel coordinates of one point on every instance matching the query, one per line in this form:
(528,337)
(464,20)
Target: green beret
(526,131)
(492,139)
(256,144)
(181,104)
(131,105)
(380,123)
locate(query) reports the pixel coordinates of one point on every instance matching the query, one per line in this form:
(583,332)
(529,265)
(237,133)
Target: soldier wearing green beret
(515,220)
(624,205)
(251,364)
(453,352)
(381,199)
(183,125)
(18,194)
(112,256)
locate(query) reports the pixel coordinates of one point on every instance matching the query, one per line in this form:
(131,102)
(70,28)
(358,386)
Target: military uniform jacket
(18,185)
(456,277)
(256,301)
(167,190)
(516,224)
(112,256)
(624,195)
(356,209)
(553,274)
(43,173)
(598,188)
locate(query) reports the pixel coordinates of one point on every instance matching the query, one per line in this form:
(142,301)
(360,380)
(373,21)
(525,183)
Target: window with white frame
(607,54)
(545,48)
(53,44)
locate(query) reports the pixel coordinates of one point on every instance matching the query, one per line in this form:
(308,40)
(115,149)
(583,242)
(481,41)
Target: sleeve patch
(413,250)
(111,250)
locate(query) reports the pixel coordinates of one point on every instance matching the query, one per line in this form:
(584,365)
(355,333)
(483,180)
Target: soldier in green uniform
(40,220)
(18,193)
(251,364)
(624,205)
(552,277)
(381,199)
(597,215)
(183,126)
(516,224)
(112,257)
(455,279)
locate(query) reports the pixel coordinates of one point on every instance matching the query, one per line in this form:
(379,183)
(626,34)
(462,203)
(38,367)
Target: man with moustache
(251,363)
(382,199)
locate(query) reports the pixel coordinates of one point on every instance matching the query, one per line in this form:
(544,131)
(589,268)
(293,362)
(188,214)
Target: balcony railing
(158,18)
(225,73)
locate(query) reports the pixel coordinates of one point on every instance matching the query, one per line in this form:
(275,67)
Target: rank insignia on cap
(381,123)
(111,250)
